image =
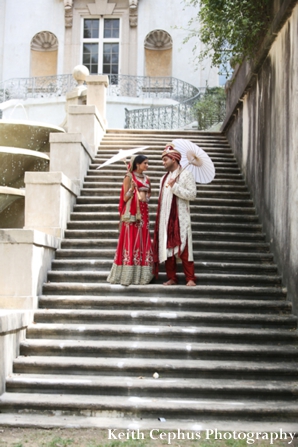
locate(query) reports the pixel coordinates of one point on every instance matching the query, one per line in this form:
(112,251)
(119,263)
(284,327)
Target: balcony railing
(120,85)
(149,87)
(165,117)
(38,87)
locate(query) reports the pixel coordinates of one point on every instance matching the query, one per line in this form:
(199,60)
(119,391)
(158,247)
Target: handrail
(36,87)
(119,85)
(176,116)
(162,117)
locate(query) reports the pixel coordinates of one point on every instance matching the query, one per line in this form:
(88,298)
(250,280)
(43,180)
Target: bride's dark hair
(138,160)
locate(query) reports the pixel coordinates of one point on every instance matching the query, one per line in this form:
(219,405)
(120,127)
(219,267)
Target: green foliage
(211,107)
(59,442)
(229,29)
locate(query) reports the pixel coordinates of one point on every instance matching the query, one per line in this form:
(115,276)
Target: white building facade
(126,37)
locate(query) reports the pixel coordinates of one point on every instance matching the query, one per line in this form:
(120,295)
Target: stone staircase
(225,350)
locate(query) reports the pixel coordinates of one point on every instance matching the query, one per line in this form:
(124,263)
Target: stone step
(156,318)
(198,245)
(158,171)
(91,206)
(152,388)
(158,290)
(200,267)
(155,163)
(113,200)
(195,217)
(163,136)
(219,193)
(172,133)
(219,256)
(159,144)
(155,159)
(136,367)
(196,226)
(163,333)
(202,278)
(220,185)
(201,235)
(121,406)
(154,155)
(164,304)
(114,176)
(165,350)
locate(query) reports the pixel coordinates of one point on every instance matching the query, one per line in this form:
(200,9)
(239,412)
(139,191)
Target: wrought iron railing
(165,117)
(151,87)
(177,116)
(120,85)
(38,87)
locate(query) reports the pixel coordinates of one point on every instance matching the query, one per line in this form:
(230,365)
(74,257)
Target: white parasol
(195,160)
(122,155)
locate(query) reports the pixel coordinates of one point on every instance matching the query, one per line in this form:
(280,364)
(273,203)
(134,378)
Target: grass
(13,437)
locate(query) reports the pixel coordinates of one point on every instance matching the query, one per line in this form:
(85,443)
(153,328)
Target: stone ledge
(71,138)
(51,178)
(86,110)
(27,236)
(14,320)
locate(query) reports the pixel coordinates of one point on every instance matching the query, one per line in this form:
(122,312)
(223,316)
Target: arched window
(158,53)
(44,54)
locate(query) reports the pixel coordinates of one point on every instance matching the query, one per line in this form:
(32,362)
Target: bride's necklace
(139,175)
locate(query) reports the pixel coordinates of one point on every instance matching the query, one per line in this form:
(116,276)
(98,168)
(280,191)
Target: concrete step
(117,302)
(116,178)
(207,256)
(156,318)
(178,350)
(152,388)
(120,406)
(113,200)
(158,290)
(202,235)
(202,278)
(106,189)
(196,226)
(195,217)
(198,245)
(155,160)
(158,171)
(221,185)
(91,206)
(164,333)
(145,367)
(200,267)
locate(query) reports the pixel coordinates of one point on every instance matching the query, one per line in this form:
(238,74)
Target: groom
(172,235)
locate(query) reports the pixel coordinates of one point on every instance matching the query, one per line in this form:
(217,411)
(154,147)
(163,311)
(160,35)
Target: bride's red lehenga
(133,262)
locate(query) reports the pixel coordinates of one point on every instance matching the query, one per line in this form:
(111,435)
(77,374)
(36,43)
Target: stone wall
(262,128)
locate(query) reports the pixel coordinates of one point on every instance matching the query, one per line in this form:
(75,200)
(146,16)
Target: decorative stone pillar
(97,93)
(50,197)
